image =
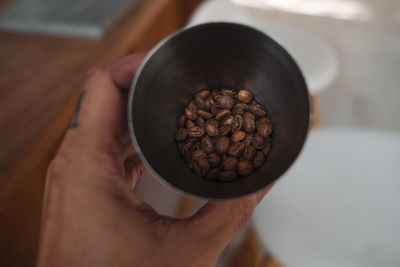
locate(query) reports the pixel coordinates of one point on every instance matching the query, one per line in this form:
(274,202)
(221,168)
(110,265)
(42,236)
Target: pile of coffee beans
(224,134)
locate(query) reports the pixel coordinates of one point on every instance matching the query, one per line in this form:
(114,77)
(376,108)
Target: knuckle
(96,71)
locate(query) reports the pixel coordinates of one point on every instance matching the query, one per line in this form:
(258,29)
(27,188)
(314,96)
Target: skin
(91,216)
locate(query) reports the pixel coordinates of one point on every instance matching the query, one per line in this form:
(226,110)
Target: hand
(92,217)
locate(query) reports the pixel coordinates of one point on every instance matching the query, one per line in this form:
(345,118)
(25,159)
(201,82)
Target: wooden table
(39,84)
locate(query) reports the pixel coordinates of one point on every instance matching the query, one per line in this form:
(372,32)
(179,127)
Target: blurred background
(337,206)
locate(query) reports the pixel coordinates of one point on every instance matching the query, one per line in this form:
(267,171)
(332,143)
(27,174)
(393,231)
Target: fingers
(134,168)
(100,118)
(218,222)
(123,70)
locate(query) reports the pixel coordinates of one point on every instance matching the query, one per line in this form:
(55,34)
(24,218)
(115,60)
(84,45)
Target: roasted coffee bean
(225,102)
(258,159)
(211,130)
(188,149)
(236,149)
(182,121)
(230,163)
(213,122)
(199,102)
(214,159)
(208,102)
(249,124)
(248,140)
(244,96)
(190,124)
(264,127)
(227,176)
(198,154)
(181,134)
(223,134)
(191,111)
(228,92)
(207,144)
(215,93)
(237,123)
(200,122)
(228,120)
(190,163)
(240,109)
(258,141)
(222,114)
(245,168)
(257,109)
(225,129)
(199,170)
(203,164)
(196,131)
(266,149)
(238,136)
(213,173)
(203,93)
(249,152)
(222,144)
(204,114)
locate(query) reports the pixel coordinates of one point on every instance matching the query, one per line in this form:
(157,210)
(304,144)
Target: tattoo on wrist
(74,122)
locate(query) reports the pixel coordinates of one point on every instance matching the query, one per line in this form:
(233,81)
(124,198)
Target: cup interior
(216,55)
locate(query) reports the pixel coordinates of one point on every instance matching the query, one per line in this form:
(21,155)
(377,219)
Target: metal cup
(216,55)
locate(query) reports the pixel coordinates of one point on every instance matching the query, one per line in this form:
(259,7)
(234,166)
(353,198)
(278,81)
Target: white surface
(339,205)
(314,56)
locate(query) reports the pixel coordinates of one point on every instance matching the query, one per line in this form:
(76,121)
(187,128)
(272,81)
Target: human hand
(91,217)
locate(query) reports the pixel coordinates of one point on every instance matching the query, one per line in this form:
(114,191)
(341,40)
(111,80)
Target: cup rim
(132,92)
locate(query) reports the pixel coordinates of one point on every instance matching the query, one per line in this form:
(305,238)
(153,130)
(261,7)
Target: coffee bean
(208,102)
(213,173)
(215,93)
(200,122)
(199,102)
(258,159)
(222,114)
(225,102)
(211,130)
(223,133)
(190,124)
(196,131)
(198,154)
(248,140)
(249,124)
(214,159)
(236,149)
(245,167)
(265,150)
(237,123)
(240,108)
(245,96)
(199,169)
(228,92)
(181,134)
(207,144)
(203,93)
(230,163)
(249,153)
(191,111)
(257,109)
(227,176)
(238,136)
(182,121)
(258,141)
(222,145)
(204,114)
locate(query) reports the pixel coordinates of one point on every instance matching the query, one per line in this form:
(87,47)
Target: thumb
(221,221)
